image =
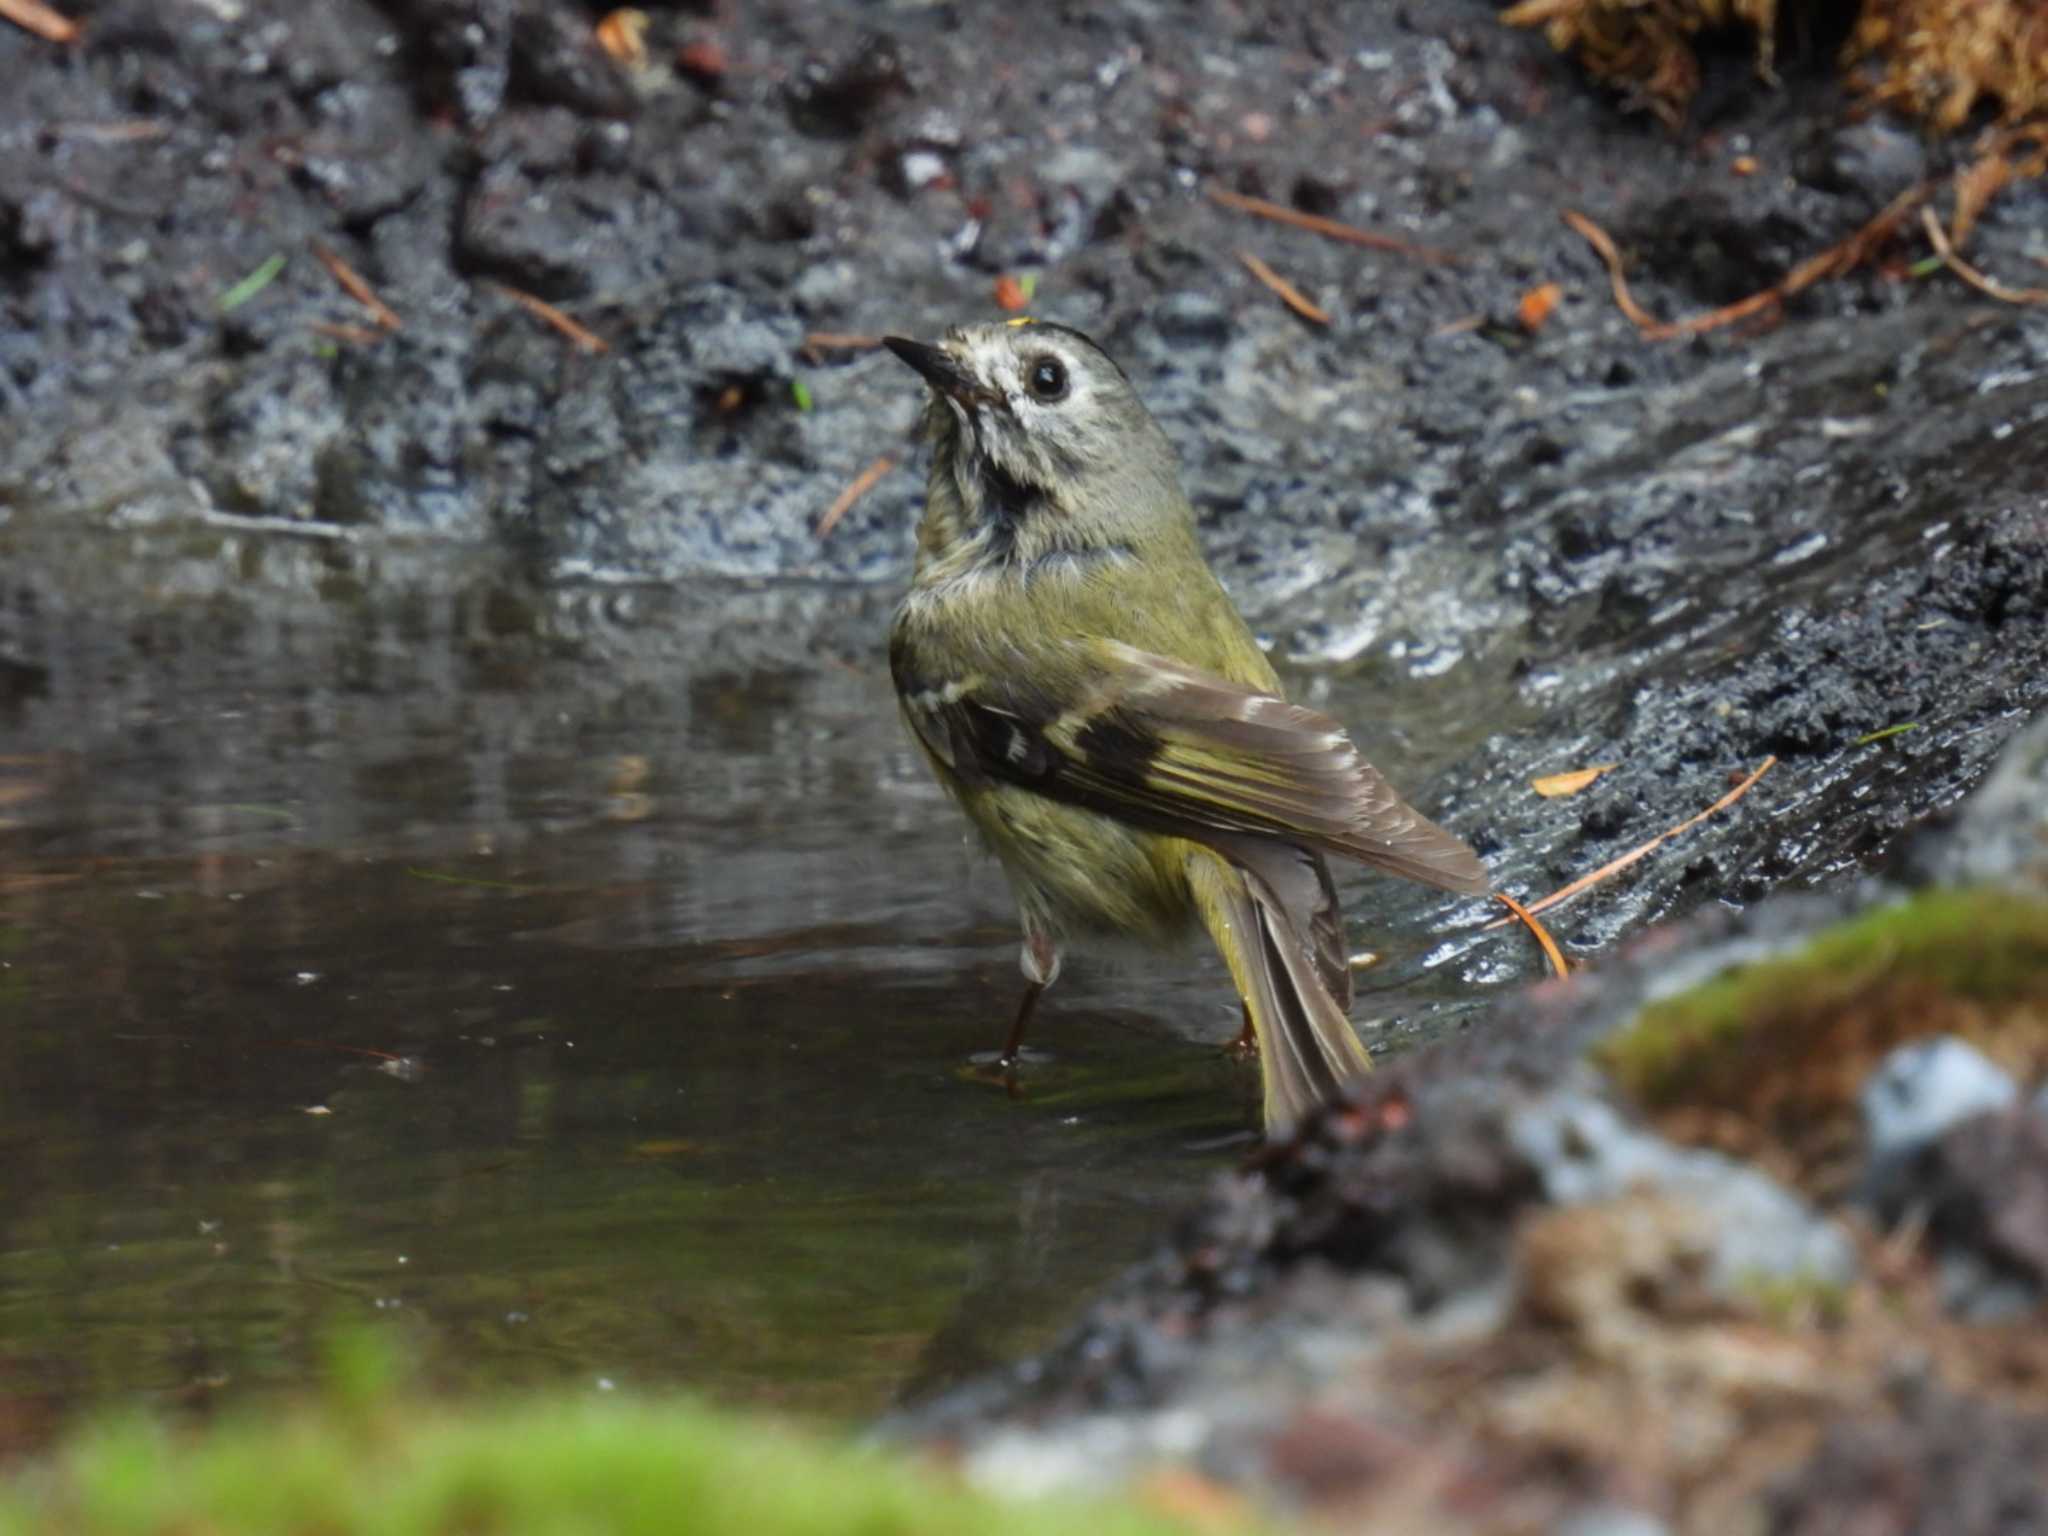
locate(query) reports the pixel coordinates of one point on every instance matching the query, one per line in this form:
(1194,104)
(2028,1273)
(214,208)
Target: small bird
(1086,691)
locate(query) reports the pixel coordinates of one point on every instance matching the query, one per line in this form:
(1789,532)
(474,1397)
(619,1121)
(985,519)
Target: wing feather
(1167,746)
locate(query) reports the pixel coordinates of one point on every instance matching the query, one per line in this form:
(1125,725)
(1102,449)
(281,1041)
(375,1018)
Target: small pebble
(1921,1090)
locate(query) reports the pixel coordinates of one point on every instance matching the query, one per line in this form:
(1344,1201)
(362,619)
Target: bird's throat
(1004,498)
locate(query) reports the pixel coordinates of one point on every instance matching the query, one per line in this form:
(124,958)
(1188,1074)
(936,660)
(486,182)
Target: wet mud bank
(424,585)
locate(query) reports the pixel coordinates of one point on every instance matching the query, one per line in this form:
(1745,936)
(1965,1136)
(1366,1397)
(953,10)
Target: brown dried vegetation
(1939,59)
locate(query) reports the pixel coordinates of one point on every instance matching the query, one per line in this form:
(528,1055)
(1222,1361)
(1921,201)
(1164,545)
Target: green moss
(1982,953)
(1796,1301)
(568,1465)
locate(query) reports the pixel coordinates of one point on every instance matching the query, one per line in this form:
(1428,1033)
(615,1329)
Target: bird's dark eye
(1048,378)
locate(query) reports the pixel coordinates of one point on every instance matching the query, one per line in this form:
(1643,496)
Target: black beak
(937,367)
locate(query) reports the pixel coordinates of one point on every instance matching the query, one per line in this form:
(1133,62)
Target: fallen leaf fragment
(623,35)
(1009,294)
(1537,305)
(1555,786)
(1290,295)
(702,60)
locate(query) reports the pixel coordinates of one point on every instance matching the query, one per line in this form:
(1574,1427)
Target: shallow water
(587,982)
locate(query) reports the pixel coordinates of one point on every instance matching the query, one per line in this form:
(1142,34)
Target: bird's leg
(1039,959)
(1246,1045)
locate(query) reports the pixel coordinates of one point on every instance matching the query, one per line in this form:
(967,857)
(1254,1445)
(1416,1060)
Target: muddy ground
(1541,549)
(1678,557)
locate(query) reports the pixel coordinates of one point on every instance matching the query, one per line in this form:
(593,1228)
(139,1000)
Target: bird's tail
(1275,920)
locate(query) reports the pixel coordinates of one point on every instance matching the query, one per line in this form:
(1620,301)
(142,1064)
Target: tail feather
(1307,1049)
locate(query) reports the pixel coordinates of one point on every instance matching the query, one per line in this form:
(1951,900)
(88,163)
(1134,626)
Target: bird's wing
(1178,750)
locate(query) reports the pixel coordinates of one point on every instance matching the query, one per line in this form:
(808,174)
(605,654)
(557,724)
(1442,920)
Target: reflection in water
(585,982)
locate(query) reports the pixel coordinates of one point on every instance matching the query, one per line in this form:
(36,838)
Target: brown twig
(1981,281)
(816,344)
(863,482)
(1549,945)
(1843,256)
(581,335)
(33,16)
(1615,866)
(357,287)
(1316,224)
(1290,295)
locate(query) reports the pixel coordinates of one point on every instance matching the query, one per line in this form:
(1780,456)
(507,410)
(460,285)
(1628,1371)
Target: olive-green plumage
(1085,689)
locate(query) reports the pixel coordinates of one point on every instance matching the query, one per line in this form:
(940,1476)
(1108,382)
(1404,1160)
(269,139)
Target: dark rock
(1947,1466)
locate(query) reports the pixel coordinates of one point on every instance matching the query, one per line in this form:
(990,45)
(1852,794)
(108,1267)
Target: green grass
(369,1460)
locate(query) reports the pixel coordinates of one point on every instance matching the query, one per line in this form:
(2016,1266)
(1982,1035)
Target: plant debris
(863,482)
(1940,58)
(1537,305)
(1642,851)
(33,16)
(261,278)
(1290,295)
(1982,282)
(1646,50)
(1556,786)
(1280,213)
(1842,257)
(1543,939)
(817,343)
(623,36)
(354,335)
(583,337)
(357,287)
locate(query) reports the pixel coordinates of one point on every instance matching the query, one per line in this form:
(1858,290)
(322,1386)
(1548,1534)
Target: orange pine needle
(1331,229)
(863,482)
(357,287)
(583,337)
(1290,295)
(1549,945)
(1615,866)
(33,16)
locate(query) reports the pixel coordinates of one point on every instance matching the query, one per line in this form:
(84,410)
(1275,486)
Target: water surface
(587,982)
